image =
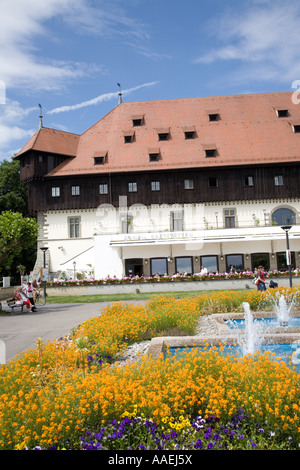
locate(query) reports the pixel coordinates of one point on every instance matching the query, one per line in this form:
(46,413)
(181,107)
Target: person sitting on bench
(21,299)
(28,291)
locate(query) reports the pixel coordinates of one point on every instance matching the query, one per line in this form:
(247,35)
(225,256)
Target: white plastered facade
(109,236)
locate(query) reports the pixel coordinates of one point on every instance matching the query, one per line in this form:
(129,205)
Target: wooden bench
(13,304)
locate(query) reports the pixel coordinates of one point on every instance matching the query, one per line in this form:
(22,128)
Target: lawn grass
(79,299)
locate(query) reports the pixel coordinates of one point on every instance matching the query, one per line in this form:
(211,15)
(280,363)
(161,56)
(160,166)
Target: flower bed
(175,278)
(71,393)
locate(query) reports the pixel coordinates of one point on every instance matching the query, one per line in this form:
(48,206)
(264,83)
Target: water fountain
(252,333)
(283,310)
(247,334)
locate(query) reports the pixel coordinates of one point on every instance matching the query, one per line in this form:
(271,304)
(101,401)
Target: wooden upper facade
(225,148)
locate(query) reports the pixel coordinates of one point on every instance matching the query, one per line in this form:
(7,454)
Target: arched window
(284,217)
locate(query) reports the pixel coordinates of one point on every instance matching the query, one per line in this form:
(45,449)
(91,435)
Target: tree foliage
(17,234)
(13,194)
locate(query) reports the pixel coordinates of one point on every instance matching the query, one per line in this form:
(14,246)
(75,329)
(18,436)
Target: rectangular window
(234,261)
(158,266)
(189,135)
(229,215)
(132,187)
(137,122)
(153,157)
(188,184)
(282,113)
(99,160)
(214,117)
(213,182)
(184,264)
(163,136)
(74,227)
(176,222)
(128,139)
(56,191)
(210,153)
(278,180)
(155,186)
(75,190)
(297,129)
(248,180)
(210,263)
(103,188)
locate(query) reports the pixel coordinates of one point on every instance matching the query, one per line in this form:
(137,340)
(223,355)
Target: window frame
(99,160)
(202,262)
(55,191)
(104,187)
(242,264)
(155,185)
(132,187)
(74,226)
(247,180)
(75,190)
(153,272)
(278,180)
(231,216)
(211,180)
(176,221)
(188,184)
(177,258)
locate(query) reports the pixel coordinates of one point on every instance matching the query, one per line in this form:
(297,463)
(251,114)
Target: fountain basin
(286,346)
(293,322)
(227,323)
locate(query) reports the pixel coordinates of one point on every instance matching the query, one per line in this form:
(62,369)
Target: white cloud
(21,61)
(24,63)
(263,39)
(97,99)
(11,128)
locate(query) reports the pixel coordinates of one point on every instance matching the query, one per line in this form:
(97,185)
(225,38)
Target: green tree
(13,194)
(18,236)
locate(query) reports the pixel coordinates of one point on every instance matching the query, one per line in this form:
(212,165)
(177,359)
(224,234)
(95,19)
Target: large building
(168,186)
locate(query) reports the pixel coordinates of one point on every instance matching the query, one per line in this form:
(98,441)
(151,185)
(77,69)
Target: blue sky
(69,55)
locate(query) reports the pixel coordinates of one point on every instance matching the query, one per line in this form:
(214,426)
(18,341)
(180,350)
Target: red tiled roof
(248,131)
(53,141)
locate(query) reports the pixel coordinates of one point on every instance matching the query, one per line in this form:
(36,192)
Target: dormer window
(153,157)
(282,113)
(100,157)
(296,129)
(213,117)
(154,154)
(210,152)
(128,137)
(163,134)
(189,133)
(99,160)
(137,120)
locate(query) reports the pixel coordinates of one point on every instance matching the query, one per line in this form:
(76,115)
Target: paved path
(20,331)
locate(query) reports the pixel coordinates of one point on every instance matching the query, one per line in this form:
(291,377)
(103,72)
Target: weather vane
(41,116)
(120,94)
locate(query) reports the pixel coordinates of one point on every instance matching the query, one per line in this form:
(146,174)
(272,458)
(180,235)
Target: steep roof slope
(248,130)
(52,141)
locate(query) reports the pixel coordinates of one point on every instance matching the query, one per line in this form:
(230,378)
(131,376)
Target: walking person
(261,279)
